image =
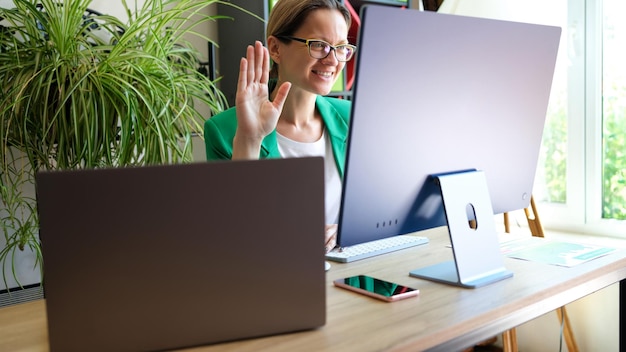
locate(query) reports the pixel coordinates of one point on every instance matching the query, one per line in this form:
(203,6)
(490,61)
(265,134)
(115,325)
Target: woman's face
(296,65)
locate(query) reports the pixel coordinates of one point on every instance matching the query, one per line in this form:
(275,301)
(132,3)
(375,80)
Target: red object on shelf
(353,33)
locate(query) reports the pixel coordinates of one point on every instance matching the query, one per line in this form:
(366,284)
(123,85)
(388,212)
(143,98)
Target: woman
(284,113)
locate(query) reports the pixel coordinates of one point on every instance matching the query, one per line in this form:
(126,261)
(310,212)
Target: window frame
(582,211)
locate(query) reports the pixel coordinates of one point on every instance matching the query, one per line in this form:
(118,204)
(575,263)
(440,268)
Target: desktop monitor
(437,93)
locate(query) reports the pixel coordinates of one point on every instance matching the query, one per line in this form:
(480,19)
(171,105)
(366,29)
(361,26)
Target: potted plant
(79,89)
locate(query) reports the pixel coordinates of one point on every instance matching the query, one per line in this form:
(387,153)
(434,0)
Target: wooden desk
(443,318)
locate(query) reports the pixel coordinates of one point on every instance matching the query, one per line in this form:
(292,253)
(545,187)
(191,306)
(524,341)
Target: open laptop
(165,257)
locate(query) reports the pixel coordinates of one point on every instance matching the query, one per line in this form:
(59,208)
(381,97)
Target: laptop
(166,257)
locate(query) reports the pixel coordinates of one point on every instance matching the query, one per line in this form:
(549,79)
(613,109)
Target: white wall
(594,320)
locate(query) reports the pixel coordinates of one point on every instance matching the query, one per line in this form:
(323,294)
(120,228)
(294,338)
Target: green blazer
(219,132)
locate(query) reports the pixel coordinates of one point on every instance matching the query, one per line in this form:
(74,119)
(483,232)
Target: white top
(289,148)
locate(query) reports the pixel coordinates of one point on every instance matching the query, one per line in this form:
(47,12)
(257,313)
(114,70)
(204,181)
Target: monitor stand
(475,246)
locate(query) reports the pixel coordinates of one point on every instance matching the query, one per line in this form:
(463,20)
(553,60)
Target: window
(613,110)
(580,182)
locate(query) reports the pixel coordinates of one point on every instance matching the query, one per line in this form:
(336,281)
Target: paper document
(552,251)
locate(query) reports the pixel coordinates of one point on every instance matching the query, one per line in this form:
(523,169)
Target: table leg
(622,316)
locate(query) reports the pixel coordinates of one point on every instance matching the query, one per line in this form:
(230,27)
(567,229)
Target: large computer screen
(437,93)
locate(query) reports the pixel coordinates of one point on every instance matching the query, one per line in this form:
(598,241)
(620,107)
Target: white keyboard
(370,249)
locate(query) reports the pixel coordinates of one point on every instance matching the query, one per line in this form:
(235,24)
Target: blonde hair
(288,15)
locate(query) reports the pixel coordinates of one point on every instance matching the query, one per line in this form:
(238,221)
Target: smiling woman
(285,111)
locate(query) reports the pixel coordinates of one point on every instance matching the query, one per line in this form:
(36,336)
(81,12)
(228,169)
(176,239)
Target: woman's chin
(325,90)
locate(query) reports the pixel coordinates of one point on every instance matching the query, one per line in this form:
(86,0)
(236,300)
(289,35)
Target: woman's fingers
(281,95)
(330,237)
(250,57)
(242,81)
(261,56)
(255,67)
(266,66)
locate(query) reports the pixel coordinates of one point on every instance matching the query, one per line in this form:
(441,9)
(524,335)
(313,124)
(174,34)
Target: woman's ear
(273,47)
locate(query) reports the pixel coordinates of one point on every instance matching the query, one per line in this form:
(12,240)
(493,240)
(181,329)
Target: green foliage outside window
(552,163)
(614,150)
(554,155)
(553,159)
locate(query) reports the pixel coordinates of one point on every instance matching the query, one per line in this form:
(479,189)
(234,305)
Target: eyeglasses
(319,49)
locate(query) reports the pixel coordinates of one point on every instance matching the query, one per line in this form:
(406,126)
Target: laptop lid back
(163,257)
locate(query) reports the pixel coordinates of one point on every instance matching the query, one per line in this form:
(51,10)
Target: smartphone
(376,288)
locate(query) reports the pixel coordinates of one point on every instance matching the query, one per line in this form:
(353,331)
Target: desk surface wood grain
(443,317)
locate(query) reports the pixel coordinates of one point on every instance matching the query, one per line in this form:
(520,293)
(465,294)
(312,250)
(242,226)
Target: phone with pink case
(380,289)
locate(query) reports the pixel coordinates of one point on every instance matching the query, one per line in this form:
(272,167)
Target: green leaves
(128,101)
(84,90)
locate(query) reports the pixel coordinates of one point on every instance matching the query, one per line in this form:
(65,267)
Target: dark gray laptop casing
(164,257)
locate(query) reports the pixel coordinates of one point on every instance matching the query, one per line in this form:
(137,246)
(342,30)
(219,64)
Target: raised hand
(330,237)
(257,116)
